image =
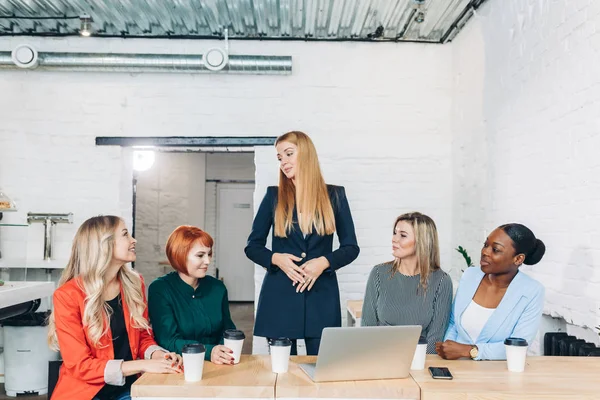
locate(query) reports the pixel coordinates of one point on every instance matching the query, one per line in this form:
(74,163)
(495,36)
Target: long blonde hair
(309,193)
(91,256)
(427,248)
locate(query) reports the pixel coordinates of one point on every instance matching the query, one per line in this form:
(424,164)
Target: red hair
(181,241)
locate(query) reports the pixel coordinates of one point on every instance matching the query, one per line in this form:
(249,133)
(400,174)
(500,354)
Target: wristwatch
(473,352)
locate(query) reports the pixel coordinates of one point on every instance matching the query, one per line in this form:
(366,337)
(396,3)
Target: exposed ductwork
(26,57)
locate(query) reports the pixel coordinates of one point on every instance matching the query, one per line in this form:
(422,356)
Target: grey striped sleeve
(399,300)
(369,310)
(442,307)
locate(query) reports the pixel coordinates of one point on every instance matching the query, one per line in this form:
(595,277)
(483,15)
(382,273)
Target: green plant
(465,255)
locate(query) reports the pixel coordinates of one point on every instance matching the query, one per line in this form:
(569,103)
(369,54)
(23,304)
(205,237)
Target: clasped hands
(305,275)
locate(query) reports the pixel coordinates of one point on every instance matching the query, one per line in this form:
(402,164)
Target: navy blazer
(282,312)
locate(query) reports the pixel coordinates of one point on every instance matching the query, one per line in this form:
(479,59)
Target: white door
(234,221)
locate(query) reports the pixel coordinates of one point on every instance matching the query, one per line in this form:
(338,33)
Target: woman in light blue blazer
(496,301)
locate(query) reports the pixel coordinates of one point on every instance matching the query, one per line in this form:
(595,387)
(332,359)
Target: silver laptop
(359,353)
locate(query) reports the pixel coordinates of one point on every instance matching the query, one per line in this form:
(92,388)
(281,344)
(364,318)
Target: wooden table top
(355,308)
(545,378)
(252,378)
(296,384)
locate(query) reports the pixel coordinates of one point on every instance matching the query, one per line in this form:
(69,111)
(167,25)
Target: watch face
(474,352)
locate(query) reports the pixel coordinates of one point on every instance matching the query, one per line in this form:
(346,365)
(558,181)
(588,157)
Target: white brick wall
(380,121)
(534,79)
(380,115)
(469,150)
(48,160)
(498,126)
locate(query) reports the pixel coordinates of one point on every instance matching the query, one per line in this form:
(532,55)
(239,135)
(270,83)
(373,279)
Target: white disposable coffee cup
(516,353)
(280,355)
(234,340)
(193,361)
(418,361)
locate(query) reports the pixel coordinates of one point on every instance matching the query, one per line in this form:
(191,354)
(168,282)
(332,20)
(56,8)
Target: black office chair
(53,371)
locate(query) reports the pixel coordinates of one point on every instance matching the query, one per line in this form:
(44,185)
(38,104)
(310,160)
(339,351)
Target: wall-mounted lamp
(86,25)
(420,17)
(143,160)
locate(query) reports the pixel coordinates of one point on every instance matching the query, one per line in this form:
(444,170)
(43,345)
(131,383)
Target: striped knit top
(399,300)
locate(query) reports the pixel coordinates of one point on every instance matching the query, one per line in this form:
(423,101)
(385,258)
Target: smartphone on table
(440,373)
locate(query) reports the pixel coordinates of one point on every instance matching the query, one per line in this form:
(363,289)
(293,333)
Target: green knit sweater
(181,315)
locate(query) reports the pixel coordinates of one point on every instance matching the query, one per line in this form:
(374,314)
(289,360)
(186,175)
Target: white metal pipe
(238,64)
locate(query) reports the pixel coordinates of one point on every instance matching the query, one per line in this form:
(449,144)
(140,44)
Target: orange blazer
(82,372)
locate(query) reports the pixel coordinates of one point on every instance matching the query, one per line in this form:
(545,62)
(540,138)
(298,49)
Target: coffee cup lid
(513,341)
(193,348)
(234,334)
(422,340)
(280,342)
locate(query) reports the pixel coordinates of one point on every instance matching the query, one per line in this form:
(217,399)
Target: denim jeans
(123,396)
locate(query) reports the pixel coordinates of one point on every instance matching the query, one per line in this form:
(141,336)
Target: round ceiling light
(215,59)
(25,56)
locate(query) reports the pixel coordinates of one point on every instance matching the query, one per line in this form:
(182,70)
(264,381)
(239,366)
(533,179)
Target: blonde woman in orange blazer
(100,318)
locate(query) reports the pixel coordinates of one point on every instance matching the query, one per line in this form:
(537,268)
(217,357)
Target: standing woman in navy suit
(300,295)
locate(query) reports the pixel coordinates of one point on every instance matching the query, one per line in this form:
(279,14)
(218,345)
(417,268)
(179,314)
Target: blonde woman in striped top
(412,289)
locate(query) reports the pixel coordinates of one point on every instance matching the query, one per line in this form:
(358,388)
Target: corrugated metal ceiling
(397,20)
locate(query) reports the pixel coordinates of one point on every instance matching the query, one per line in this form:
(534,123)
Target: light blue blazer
(518,314)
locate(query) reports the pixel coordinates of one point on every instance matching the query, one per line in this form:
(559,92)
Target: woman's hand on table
(174,358)
(155,366)
(312,270)
(285,262)
(451,350)
(221,355)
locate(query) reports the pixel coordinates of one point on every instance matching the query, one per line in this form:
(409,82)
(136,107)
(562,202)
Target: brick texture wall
(525,141)
(380,116)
